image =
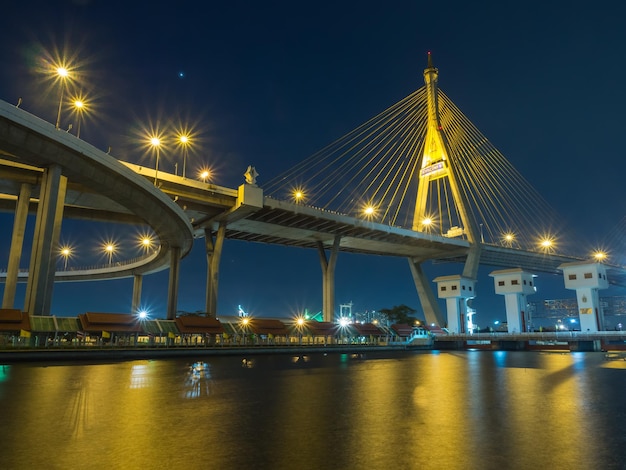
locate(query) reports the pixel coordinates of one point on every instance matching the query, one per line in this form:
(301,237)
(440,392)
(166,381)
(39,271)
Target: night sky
(269,83)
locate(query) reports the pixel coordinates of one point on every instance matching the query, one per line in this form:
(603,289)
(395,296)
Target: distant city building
(557,309)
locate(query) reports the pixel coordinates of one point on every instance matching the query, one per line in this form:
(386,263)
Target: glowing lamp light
(63,74)
(546,243)
(109,249)
(184,141)
(599,255)
(343,322)
(300,321)
(143,314)
(205,175)
(66,252)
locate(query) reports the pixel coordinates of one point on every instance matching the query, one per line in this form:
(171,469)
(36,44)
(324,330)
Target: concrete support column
(515,284)
(472,262)
(172,288)
(430,306)
(457,290)
(17,242)
(214,254)
(456,309)
(45,242)
(587,278)
(590,313)
(137,286)
(328,278)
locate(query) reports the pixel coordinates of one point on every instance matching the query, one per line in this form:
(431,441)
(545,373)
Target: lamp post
(547,244)
(184,142)
(599,256)
(298,196)
(156,145)
(63,73)
(204,175)
(508,239)
(66,252)
(79,106)
(145,242)
(109,249)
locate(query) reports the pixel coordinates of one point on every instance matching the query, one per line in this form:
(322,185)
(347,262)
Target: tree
(400,314)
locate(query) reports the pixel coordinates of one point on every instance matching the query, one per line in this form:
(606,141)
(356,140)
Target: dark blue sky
(269,83)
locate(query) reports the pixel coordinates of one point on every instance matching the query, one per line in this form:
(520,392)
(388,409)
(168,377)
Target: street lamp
(66,252)
(146,242)
(205,174)
(547,244)
(62,73)
(508,239)
(298,195)
(79,106)
(156,145)
(427,224)
(184,141)
(599,256)
(109,249)
(369,211)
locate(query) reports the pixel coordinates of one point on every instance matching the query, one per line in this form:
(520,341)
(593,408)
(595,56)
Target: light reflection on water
(466,410)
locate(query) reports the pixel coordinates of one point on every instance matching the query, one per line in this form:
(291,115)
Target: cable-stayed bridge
(417,181)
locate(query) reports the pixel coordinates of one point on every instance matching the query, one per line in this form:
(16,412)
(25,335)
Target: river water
(409,410)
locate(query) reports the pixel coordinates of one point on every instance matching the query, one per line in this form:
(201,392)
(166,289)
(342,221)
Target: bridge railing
(91,267)
(558,336)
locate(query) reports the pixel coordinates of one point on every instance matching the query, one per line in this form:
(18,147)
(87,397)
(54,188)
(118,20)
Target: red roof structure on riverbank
(110,322)
(263,326)
(367,329)
(13,320)
(195,324)
(402,329)
(321,328)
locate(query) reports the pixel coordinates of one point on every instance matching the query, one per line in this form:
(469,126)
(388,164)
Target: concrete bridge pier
(213,243)
(17,242)
(328,278)
(172,289)
(457,290)
(587,278)
(515,284)
(137,286)
(432,312)
(45,242)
